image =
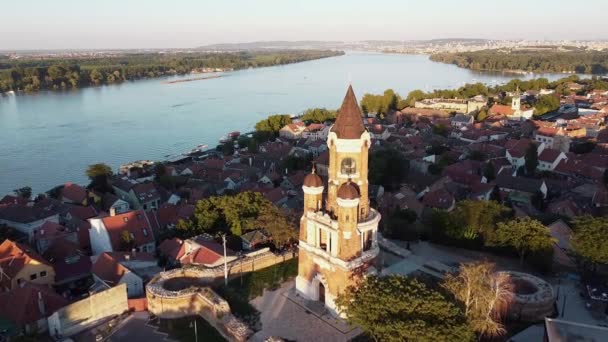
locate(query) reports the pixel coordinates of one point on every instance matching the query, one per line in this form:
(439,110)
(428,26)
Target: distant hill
(263,45)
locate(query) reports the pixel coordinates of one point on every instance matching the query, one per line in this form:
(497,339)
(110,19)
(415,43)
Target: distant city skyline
(70,24)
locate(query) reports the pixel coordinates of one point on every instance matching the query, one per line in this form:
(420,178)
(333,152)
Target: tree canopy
(318,115)
(33,74)
(273,123)
(574,60)
(380,104)
(471,219)
(396,308)
(98,170)
(590,239)
(524,235)
(531,159)
(238,214)
(485,295)
(546,104)
(387,167)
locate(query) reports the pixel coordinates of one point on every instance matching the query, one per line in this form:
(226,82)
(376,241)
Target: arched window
(348,166)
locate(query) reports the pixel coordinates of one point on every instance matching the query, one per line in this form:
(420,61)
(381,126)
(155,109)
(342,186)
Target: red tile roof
(22,305)
(501,110)
(74,192)
(549,155)
(14,257)
(83,213)
(10,199)
(547,131)
(68,260)
(108,269)
(209,253)
(440,199)
(135,222)
(173,249)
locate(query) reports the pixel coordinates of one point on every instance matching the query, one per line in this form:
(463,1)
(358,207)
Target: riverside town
(375,185)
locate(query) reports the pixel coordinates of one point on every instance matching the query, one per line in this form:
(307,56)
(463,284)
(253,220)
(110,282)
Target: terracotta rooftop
(74,192)
(22,305)
(349,124)
(135,222)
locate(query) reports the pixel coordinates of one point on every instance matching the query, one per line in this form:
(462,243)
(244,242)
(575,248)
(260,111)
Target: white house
(25,218)
(122,232)
(549,158)
(132,269)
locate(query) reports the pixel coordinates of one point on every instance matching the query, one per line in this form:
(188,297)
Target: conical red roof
(349,124)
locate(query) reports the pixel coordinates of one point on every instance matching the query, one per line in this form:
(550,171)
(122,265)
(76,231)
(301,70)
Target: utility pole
(225,263)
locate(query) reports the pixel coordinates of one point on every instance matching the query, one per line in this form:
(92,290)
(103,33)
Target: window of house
(42,274)
(348,166)
(33,276)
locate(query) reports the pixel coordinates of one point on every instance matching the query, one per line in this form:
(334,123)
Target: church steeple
(349,124)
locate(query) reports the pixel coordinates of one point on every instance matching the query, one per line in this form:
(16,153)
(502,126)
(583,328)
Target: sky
(89,24)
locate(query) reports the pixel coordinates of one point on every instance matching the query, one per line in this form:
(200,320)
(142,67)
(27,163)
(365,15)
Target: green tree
(319,115)
(387,167)
(237,214)
(24,192)
(413,96)
(485,295)
(531,159)
(274,222)
(99,174)
(489,171)
(127,241)
(524,235)
(472,219)
(98,170)
(227,148)
(273,123)
(590,240)
(396,308)
(546,104)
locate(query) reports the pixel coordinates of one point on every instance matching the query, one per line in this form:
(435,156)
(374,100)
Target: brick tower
(338,237)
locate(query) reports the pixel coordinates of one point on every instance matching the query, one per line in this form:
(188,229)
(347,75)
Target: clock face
(348,166)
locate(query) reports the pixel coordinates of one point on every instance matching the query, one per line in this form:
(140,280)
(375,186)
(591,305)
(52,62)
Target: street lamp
(195,331)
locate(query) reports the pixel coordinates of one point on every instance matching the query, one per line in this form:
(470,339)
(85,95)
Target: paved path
(136,328)
(284,318)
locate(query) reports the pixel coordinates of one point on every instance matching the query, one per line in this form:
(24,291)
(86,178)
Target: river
(49,138)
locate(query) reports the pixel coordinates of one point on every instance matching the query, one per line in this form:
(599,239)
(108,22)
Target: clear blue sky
(50,24)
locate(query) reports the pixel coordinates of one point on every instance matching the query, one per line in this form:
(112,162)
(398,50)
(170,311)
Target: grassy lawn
(180,329)
(242,289)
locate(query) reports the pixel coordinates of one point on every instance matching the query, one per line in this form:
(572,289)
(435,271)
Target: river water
(49,138)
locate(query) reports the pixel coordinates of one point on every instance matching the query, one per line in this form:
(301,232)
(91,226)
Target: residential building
(462,120)
(19,264)
(515,112)
(74,193)
(196,251)
(122,232)
(549,158)
(292,131)
(132,269)
(139,195)
(27,307)
(251,240)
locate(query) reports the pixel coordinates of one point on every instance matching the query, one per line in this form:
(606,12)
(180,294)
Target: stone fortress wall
(185,292)
(81,315)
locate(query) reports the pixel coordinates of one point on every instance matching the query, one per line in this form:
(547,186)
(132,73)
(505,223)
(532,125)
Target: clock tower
(338,230)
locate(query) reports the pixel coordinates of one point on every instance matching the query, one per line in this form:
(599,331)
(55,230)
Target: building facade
(338,230)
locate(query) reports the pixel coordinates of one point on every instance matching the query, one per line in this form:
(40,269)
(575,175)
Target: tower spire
(349,124)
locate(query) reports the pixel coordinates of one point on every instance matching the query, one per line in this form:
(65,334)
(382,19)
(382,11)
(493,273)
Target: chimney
(41,304)
(112,211)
